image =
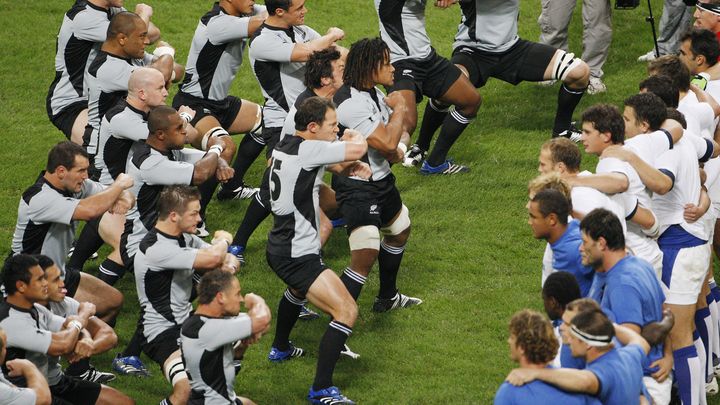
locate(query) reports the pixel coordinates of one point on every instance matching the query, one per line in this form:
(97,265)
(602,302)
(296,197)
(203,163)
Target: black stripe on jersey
(304,205)
(98,8)
(116,150)
(469,11)
(210,14)
(158,284)
(12,352)
(212,372)
(268,74)
(99,60)
(76,8)
(76,55)
(147,195)
(390,12)
(207,62)
(48,100)
(108,100)
(34,234)
(341,95)
(304,96)
(191,327)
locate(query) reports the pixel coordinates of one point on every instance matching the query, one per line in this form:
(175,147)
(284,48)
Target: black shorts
(372,203)
(524,61)
(65,119)
(298,273)
(430,77)
(271,136)
(224,111)
(128,261)
(164,345)
(72,281)
(75,391)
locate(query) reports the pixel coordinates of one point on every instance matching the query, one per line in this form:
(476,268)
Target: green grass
(471,256)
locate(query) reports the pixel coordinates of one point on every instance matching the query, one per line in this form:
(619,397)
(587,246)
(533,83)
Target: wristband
(403,148)
(76,324)
(164,50)
(216,149)
(186,116)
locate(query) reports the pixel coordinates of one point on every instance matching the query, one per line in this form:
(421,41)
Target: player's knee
(348,312)
(579,76)
(109,395)
(410,123)
(400,226)
(181,390)
(471,105)
(365,237)
(326,226)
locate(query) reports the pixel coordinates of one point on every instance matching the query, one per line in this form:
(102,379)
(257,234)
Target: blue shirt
(619,373)
(540,393)
(633,295)
(568,361)
(566,256)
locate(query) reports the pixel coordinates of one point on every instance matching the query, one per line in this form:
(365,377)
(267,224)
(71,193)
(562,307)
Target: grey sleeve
(354,115)
(89,28)
(320,153)
(197,243)
(114,78)
(158,170)
(90,187)
(218,332)
(50,206)
(52,322)
(168,256)
(226,28)
(310,34)
(271,48)
(26,335)
(190,155)
(128,127)
(11,395)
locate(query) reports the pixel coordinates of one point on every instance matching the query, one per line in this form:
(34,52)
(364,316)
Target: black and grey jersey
(44,223)
(364,111)
(107,81)
(289,125)
(83,30)
(151,170)
(68,306)
(488,25)
(281,80)
(216,53)
(29,335)
(207,350)
(164,279)
(402,27)
(121,127)
(296,171)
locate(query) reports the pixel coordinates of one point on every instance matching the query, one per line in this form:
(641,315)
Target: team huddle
(628,261)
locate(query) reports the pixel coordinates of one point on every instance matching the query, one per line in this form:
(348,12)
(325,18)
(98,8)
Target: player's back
(540,393)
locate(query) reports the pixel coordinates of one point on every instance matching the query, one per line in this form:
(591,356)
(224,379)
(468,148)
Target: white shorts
(688,274)
(659,392)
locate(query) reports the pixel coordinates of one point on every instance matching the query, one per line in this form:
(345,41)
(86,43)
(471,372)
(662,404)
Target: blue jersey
(620,374)
(568,361)
(633,294)
(566,257)
(540,393)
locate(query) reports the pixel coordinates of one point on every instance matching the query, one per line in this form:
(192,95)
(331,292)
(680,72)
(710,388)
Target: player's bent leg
(328,203)
(463,95)
(107,299)
(569,69)
(330,295)
(78,128)
(326,228)
(111,396)
(411,115)
(364,247)
(248,119)
(174,371)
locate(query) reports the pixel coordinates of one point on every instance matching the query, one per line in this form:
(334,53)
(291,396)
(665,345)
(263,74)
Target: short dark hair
(563,150)
(44,261)
(212,283)
(17,268)
(122,23)
(175,199)
(606,118)
(603,223)
(649,107)
(663,87)
(365,58)
(674,114)
(63,154)
(273,5)
(159,118)
(703,42)
(312,109)
(674,68)
(551,201)
(562,286)
(319,66)
(534,334)
(594,322)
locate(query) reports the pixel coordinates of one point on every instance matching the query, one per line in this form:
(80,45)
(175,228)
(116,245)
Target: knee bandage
(365,237)
(174,370)
(213,132)
(401,223)
(564,63)
(258,120)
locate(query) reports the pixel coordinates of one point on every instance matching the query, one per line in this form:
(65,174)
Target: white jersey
(699,116)
(402,27)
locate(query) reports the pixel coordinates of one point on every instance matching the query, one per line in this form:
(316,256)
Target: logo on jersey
(408,73)
(373,210)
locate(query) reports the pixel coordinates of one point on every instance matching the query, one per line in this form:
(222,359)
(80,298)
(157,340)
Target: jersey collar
(98,8)
(137,111)
(42,179)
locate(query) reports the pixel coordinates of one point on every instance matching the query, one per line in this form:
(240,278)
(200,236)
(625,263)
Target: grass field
(471,256)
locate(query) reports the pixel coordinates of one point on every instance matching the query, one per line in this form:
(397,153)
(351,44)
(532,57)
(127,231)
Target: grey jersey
(151,170)
(364,111)
(121,127)
(29,335)
(83,30)
(280,79)
(296,171)
(164,279)
(289,126)
(216,53)
(12,395)
(68,306)
(207,350)
(44,223)
(488,25)
(107,82)
(402,27)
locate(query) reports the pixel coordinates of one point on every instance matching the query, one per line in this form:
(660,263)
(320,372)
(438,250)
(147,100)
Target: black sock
(87,243)
(432,119)
(331,344)
(288,311)
(110,272)
(207,189)
(254,215)
(453,125)
(353,281)
(248,150)
(134,346)
(78,368)
(568,99)
(166,401)
(389,260)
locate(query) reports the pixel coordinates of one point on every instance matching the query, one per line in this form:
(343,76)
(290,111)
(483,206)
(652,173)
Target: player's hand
(692,213)
(222,235)
(361,170)
(397,157)
(123,204)
(520,376)
(618,152)
(143,10)
(18,367)
(87,310)
(123,181)
(224,172)
(395,101)
(187,110)
(664,364)
(336,33)
(444,3)
(260,314)
(231,263)
(353,136)
(84,348)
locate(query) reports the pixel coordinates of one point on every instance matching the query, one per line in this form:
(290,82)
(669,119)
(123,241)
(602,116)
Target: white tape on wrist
(403,148)
(164,50)
(216,149)
(186,116)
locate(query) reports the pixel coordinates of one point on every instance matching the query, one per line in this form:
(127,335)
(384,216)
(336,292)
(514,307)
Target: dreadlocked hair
(365,58)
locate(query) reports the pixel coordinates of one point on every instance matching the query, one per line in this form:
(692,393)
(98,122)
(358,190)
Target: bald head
(123,23)
(144,78)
